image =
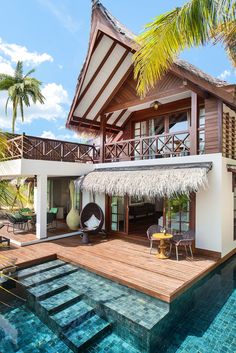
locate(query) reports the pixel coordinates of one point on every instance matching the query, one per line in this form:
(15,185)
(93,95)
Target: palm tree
(21,90)
(196,23)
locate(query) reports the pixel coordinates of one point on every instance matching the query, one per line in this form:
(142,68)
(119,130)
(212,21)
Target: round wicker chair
(91,209)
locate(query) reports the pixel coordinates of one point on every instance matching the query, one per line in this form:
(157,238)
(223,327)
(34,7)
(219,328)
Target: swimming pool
(76,310)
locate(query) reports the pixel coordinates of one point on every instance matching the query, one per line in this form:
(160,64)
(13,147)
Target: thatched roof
(151,183)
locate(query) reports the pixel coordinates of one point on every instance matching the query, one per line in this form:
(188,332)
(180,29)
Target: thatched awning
(152,183)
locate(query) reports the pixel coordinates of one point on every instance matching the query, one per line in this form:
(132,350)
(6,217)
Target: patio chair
(17,222)
(50,220)
(4,240)
(183,240)
(155,228)
(54,211)
(91,221)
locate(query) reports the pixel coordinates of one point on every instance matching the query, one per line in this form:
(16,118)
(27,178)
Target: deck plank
(125,260)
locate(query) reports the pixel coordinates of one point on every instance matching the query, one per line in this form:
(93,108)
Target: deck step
(48,276)
(59,301)
(73,315)
(39,268)
(86,333)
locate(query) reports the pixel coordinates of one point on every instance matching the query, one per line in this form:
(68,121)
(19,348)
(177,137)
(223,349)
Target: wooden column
(103,137)
(194,124)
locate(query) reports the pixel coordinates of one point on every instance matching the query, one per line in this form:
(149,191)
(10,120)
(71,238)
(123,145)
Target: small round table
(162,237)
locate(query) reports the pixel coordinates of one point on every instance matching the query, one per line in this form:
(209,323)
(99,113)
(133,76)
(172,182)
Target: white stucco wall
(227,210)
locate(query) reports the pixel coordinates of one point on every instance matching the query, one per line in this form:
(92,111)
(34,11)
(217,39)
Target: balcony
(30,147)
(149,147)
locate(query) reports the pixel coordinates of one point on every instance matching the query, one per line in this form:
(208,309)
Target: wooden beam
(118,106)
(97,71)
(105,85)
(200,92)
(194,123)
(102,138)
(95,124)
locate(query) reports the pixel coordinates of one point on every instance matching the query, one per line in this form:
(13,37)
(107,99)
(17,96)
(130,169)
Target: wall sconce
(155,105)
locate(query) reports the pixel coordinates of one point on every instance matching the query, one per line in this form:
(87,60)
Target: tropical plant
(196,23)
(21,90)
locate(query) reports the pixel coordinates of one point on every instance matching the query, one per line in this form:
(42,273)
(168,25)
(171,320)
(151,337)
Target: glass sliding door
(118,214)
(178,213)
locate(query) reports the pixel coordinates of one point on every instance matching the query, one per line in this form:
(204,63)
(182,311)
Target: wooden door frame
(108,216)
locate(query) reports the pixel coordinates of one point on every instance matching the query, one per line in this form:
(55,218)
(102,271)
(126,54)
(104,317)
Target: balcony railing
(166,145)
(30,147)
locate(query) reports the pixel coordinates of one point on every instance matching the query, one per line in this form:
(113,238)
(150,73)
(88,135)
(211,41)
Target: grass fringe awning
(150,183)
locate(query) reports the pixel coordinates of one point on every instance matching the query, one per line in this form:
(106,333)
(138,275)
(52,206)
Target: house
(178,140)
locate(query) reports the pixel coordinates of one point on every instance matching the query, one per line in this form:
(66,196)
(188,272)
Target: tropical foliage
(22,89)
(196,23)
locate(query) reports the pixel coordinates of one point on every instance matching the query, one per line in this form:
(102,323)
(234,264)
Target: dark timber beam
(103,137)
(194,124)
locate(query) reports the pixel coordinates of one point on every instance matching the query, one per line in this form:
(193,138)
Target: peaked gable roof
(104,28)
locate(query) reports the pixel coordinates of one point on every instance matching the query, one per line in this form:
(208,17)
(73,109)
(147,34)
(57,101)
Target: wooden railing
(30,147)
(166,145)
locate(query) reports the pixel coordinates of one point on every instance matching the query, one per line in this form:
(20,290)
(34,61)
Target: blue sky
(52,36)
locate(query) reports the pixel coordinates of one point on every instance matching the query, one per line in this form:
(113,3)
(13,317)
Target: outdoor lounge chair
(155,228)
(91,221)
(17,222)
(183,240)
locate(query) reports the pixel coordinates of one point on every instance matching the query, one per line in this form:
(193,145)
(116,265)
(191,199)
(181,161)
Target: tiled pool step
(73,315)
(39,268)
(59,301)
(111,344)
(47,276)
(69,316)
(86,333)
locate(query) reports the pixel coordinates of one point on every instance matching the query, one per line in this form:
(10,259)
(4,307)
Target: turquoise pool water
(73,310)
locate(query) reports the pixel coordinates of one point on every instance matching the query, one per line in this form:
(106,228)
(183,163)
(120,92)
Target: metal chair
(183,240)
(155,228)
(17,222)
(91,209)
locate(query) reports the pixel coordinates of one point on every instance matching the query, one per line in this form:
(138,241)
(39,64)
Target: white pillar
(41,207)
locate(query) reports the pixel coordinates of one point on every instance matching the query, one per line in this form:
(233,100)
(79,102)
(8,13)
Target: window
(201,131)
(117,207)
(178,213)
(178,123)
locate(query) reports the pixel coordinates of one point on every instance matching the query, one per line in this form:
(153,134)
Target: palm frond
(29,73)
(169,34)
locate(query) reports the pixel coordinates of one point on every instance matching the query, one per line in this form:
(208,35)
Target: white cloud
(60,11)
(6,67)
(73,137)
(48,135)
(60,66)
(17,52)
(225,74)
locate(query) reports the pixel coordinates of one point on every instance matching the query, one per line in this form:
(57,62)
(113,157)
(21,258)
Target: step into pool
(69,309)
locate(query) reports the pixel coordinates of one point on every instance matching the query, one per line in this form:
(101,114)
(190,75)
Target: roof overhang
(161,181)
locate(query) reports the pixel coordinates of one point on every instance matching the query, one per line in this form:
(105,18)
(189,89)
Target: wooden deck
(23,238)
(125,260)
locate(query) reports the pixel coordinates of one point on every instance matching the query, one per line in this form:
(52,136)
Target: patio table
(162,237)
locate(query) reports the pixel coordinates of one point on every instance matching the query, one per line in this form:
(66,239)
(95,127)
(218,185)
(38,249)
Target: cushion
(92,222)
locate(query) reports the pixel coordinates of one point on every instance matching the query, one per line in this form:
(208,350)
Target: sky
(52,37)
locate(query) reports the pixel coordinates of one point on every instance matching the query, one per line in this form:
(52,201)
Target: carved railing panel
(166,145)
(30,147)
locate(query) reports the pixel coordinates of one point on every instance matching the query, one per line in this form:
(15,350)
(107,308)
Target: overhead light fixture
(155,105)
